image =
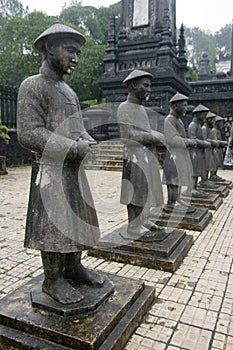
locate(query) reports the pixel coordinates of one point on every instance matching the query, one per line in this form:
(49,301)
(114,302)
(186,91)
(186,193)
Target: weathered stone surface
(93,298)
(222,190)
(25,327)
(213,201)
(196,221)
(164,255)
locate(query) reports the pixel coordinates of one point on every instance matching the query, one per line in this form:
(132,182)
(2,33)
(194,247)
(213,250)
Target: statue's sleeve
(128,128)
(192,131)
(31,124)
(172,135)
(204,133)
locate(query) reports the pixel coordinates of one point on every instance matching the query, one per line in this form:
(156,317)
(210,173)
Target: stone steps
(106,155)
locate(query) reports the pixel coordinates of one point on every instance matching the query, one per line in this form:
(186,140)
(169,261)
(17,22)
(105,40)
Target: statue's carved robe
(177,165)
(197,154)
(141,182)
(210,163)
(61,215)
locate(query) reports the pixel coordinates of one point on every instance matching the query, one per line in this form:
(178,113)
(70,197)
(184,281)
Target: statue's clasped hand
(82,148)
(191,143)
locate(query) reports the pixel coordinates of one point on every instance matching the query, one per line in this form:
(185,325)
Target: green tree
(12,8)
(18,57)
(95,22)
(20,60)
(223,40)
(216,45)
(197,42)
(84,80)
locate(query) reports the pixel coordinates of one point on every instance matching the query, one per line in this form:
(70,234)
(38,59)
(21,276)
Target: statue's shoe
(199,194)
(187,193)
(216,178)
(179,208)
(143,234)
(207,184)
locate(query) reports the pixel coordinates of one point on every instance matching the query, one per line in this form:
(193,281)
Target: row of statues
(61,218)
(189,157)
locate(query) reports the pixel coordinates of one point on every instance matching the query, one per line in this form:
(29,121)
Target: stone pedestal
(213,201)
(222,190)
(227,183)
(105,326)
(164,254)
(196,221)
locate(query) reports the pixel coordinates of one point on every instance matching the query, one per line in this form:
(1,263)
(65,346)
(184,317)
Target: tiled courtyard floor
(194,309)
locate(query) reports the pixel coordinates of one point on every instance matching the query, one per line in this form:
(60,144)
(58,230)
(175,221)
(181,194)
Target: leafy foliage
(95,22)
(4,137)
(84,80)
(12,8)
(217,45)
(18,57)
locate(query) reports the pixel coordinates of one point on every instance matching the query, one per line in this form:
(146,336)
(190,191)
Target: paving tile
(225,324)
(167,309)
(194,306)
(222,342)
(205,301)
(174,294)
(183,282)
(191,338)
(210,287)
(205,319)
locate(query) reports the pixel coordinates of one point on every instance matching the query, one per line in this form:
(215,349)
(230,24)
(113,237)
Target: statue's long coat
(197,154)
(210,162)
(61,215)
(221,150)
(177,165)
(141,182)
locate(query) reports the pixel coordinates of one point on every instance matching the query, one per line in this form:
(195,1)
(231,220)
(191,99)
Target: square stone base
(196,221)
(213,201)
(23,326)
(222,190)
(163,255)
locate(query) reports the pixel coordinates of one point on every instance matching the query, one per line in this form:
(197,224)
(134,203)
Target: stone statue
(228,159)
(177,165)
(210,161)
(141,184)
(61,219)
(219,149)
(197,154)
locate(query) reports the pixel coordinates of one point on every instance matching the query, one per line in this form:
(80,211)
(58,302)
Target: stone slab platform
(109,328)
(213,201)
(196,221)
(227,183)
(222,190)
(163,255)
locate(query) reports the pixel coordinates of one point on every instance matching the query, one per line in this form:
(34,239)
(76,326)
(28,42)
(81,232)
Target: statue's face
(142,88)
(201,116)
(210,122)
(64,55)
(220,124)
(180,107)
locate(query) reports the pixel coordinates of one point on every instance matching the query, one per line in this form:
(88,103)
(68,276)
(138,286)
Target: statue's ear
(133,84)
(49,47)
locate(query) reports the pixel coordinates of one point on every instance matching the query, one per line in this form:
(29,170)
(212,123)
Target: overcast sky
(205,14)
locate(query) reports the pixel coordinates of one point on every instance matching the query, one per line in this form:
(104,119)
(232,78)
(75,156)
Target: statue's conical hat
(219,119)
(200,108)
(210,115)
(178,97)
(137,73)
(58,29)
